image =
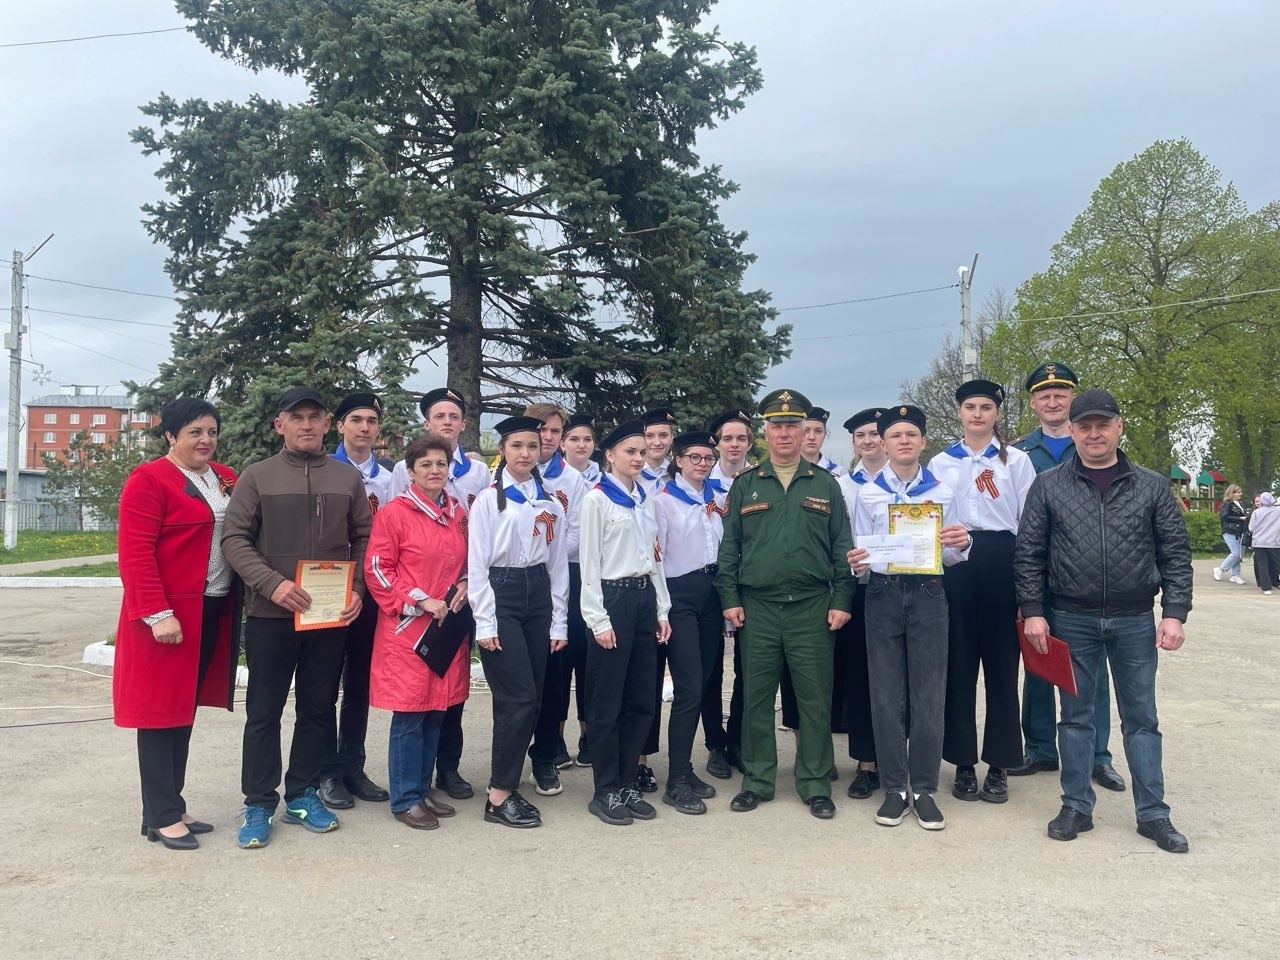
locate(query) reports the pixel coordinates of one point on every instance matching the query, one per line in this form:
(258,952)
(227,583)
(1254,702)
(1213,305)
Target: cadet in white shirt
(443,413)
(518,579)
(690,511)
(907,626)
(851,641)
(548,751)
(625,606)
(992,479)
(734,433)
(578,444)
(359,418)
(659,430)
(815,435)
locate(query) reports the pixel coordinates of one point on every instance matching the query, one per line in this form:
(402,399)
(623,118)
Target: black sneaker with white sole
(927,812)
(546,779)
(610,808)
(583,759)
(893,809)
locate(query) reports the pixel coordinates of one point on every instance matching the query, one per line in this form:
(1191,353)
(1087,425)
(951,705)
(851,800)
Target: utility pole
(969,353)
(13,343)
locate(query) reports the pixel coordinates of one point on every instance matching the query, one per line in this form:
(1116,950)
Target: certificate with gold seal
(923,523)
(329,584)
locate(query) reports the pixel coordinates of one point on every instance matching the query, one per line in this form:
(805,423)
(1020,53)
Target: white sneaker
(1217,573)
(1266,593)
(1236,580)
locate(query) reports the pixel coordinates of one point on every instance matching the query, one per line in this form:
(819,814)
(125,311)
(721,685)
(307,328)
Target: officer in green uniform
(785,583)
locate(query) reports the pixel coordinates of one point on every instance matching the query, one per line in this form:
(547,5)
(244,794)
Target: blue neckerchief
(461,464)
(958,451)
(926,483)
(515,496)
(717,486)
(858,477)
(708,494)
(554,467)
(826,463)
(650,476)
(341,454)
(591,472)
(609,487)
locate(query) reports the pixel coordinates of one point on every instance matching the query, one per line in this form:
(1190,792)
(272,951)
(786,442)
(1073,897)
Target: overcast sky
(890,143)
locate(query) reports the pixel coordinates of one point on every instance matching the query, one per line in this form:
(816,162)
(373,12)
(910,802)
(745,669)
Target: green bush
(1206,532)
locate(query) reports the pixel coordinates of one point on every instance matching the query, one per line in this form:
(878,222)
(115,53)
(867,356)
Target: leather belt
(628,583)
(908,578)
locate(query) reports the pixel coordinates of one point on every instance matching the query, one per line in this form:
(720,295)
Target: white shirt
(376,477)
(725,479)
(872,506)
(689,534)
(618,542)
(653,480)
(522,535)
(569,487)
(993,492)
(464,488)
(829,465)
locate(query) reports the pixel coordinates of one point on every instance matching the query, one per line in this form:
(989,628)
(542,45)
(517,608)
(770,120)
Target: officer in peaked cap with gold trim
(785,584)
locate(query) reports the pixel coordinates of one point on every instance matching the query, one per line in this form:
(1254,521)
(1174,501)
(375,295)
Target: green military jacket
(781,545)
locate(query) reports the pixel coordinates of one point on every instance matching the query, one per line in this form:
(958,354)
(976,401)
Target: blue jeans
(1231,565)
(411,756)
(1129,644)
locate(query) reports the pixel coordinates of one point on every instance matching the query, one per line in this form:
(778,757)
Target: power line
(96,36)
(1219,298)
(873,333)
(110,333)
(94,286)
(884,296)
(89,316)
(107,356)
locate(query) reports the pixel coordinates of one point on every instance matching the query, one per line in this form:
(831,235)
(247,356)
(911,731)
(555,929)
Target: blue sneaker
(255,831)
(310,812)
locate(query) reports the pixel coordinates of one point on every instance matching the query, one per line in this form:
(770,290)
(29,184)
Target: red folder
(1054,666)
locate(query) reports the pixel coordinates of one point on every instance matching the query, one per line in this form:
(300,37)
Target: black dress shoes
(747,800)
(865,783)
(510,813)
(335,795)
(1105,775)
(1165,834)
(1069,823)
(1030,765)
(821,807)
(364,788)
(680,795)
(188,841)
(646,782)
(966,785)
(718,765)
(995,787)
(451,782)
(195,826)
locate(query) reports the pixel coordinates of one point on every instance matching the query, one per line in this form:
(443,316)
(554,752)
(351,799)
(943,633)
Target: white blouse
(618,542)
(993,492)
(689,534)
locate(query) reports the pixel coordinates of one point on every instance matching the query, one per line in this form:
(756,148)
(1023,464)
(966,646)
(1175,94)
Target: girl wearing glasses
(689,510)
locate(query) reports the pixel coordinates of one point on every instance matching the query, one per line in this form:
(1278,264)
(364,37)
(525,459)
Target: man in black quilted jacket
(1102,536)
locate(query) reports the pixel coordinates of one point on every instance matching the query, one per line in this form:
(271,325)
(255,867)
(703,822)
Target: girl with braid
(518,573)
(992,480)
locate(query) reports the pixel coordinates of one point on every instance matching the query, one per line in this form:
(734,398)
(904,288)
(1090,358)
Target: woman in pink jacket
(417,551)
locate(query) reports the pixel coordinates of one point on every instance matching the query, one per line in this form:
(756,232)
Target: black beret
(518,425)
(980,388)
(358,401)
(696,438)
(581,420)
(863,417)
(432,397)
(900,414)
(623,431)
(820,414)
(659,416)
(737,413)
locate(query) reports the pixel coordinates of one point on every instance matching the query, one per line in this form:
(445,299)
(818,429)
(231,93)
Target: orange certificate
(329,584)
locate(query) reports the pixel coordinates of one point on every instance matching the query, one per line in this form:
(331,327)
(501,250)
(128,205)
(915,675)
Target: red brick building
(53,420)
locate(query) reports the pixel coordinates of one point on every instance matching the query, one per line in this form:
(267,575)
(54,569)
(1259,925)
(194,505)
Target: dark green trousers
(797,632)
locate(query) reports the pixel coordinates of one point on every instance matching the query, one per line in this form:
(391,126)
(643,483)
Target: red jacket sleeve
(142,504)
(382,575)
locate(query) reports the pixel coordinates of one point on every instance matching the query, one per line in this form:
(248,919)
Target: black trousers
(1266,566)
(277,654)
(162,752)
(345,746)
(982,609)
(696,637)
(620,687)
(573,665)
(852,639)
(515,673)
(449,753)
(718,736)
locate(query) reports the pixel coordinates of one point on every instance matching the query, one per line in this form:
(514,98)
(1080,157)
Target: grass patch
(111,569)
(53,545)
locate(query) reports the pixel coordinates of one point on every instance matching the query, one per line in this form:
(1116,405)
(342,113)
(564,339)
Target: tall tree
(1160,230)
(513,181)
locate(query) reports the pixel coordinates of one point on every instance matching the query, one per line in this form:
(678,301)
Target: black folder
(439,642)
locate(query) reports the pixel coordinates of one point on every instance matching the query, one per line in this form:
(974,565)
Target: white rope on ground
(58,666)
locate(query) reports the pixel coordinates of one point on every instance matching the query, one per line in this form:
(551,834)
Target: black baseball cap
(1094,403)
(296,395)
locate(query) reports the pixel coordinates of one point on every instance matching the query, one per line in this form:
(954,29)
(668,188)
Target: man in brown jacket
(299,505)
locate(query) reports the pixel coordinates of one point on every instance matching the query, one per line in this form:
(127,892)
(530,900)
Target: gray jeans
(907,666)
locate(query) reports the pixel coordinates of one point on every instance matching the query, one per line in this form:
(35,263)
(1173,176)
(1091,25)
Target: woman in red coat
(417,551)
(178,636)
